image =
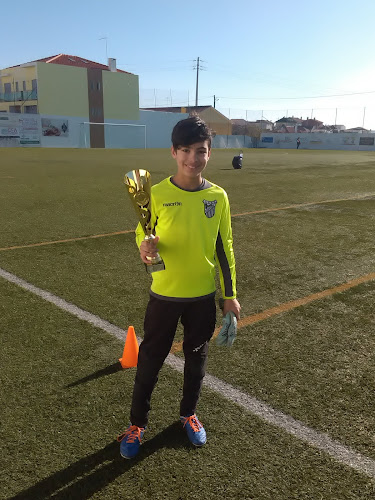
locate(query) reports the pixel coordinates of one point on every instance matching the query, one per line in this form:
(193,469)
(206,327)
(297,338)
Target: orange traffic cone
(131,349)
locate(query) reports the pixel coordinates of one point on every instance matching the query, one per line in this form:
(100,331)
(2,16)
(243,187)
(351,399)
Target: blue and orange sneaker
(130,441)
(194,429)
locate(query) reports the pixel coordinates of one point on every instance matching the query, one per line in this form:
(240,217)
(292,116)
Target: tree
(253,131)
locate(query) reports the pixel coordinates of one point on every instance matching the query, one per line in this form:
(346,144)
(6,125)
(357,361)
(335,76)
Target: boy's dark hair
(189,131)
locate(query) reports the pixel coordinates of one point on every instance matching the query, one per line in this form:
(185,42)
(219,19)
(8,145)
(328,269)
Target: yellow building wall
(216,121)
(20,75)
(120,96)
(62,90)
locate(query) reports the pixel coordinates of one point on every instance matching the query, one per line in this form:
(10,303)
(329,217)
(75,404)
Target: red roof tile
(77,61)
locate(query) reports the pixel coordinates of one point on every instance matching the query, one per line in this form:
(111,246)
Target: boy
(192,226)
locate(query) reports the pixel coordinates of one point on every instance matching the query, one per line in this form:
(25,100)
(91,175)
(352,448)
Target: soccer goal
(117,135)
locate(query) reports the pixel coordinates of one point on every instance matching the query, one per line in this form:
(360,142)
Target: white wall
(232,141)
(317,140)
(19,130)
(30,131)
(74,137)
(159,126)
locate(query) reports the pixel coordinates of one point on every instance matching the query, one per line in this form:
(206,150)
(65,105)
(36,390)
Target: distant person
(298,142)
(237,161)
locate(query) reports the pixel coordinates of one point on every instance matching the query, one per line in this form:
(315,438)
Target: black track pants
(161,319)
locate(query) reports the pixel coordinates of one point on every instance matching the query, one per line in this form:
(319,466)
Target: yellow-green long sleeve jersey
(195,235)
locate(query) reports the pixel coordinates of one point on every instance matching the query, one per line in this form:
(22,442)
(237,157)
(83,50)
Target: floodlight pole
(363,121)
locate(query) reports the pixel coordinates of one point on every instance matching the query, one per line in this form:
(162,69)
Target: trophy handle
(156,263)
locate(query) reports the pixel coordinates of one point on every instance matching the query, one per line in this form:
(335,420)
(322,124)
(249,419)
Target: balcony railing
(23,96)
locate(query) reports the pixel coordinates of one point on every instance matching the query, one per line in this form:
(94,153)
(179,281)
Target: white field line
(343,454)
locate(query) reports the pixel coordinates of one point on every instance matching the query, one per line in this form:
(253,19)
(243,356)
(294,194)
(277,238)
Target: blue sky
(260,58)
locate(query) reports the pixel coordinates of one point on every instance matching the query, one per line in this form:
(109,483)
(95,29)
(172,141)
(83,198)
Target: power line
(306,97)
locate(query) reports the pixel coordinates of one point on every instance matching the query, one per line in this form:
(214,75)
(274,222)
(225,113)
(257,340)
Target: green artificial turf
(63,397)
(50,194)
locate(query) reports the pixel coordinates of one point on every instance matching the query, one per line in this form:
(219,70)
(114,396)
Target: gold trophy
(138,184)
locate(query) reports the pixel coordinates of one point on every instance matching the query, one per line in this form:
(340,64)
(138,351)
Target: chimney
(112,64)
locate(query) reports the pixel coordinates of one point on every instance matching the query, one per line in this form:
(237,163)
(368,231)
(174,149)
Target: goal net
(116,135)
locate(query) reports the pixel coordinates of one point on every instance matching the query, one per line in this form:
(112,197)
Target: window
(14,109)
(95,85)
(31,109)
(17,87)
(34,86)
(24,85)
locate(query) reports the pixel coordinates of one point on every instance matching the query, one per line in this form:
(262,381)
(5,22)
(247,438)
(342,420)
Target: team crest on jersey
(209,208)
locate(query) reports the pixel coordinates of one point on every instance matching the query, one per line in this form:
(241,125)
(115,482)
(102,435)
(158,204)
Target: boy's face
(192,160)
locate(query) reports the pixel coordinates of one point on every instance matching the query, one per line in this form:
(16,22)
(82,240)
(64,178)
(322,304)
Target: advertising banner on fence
(30,130)
(9,131)
(9,128)
(55,127)
(21,130)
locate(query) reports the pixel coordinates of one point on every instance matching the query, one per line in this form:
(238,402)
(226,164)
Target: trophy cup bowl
(138,184)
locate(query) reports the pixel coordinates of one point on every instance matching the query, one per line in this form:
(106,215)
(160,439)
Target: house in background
(285,122)
(251,128)
(359,130)
(71,86)
(290,125)
(239,126)
(219,123)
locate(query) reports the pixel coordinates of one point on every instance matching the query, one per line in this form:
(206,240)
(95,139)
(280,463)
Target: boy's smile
(191,161)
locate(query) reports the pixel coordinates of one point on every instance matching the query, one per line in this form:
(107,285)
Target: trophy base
(153,268)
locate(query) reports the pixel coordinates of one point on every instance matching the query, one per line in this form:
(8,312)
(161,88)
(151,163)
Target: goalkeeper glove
(228,331)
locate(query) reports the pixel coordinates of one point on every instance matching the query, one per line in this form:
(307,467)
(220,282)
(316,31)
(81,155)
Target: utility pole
(199,68)
(196,86)
(214,101)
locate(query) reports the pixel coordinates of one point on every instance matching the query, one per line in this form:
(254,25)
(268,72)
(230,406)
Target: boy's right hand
(148,249)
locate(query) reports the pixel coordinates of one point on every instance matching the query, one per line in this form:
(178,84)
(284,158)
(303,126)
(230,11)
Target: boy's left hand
(232,305)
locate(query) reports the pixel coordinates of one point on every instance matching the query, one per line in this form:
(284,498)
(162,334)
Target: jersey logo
(209,208)
(173,204)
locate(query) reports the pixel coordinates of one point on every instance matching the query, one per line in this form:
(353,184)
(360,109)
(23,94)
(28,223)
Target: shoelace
(194,423)
(132,433)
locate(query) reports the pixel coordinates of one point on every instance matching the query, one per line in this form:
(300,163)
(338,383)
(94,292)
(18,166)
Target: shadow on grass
(92,473)
(108,370)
